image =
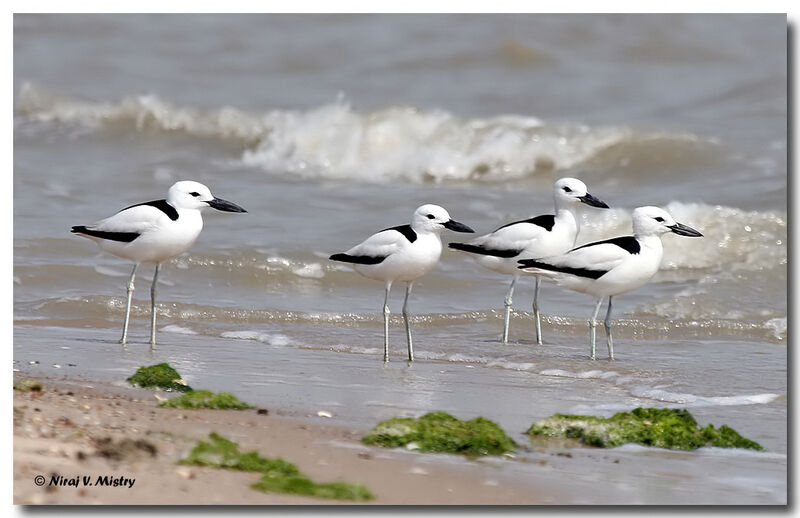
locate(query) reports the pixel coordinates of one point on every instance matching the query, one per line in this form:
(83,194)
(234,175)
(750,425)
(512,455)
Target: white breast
(409,262)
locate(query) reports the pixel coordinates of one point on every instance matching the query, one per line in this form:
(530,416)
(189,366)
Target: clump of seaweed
(196,399)
(160,376)
(442,433)
(28,385)
(165,377)
(278,475)
(659,427)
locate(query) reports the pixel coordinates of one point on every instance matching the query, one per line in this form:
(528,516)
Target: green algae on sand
(442,433)
(674,429)
(278,475)
(161,376)
(28,385)
(196,399)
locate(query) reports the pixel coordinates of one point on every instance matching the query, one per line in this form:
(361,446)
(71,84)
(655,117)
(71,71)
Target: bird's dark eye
(659,219)
(567,189)
(431,216)
(195,194)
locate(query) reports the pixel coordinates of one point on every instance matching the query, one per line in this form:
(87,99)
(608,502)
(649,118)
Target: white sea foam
(740,452)
(256,263)
(103,270)
(371,351)
(706,450)
(594,374)
(777,326)
(172,328)
(274,339)
(515,366)
(601,409)
(334,141)
(312,271)
(693,400)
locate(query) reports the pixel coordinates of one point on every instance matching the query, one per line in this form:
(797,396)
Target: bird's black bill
(455,226)
(683,230)
(590,200)
(224,205)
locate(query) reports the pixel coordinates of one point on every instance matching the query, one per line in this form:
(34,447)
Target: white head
(568,192)
(433,218)
(655,221)
(187,194)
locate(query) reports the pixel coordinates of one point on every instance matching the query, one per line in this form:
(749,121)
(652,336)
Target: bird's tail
(480,250)
(533,263)
(357,259)
(123,237)
(537,266)
(465,247)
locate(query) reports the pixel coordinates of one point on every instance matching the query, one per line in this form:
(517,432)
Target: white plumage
(155,231)
(403,253)
(542,236)
(613,266)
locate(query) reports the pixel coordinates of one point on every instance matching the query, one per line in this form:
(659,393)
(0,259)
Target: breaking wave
(337,142)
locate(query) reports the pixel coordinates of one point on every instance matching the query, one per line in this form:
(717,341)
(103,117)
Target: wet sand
(65,430)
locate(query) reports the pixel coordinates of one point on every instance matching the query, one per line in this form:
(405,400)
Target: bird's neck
(423,229)
(566,217)
(190,216)
(431,234)
(650,242)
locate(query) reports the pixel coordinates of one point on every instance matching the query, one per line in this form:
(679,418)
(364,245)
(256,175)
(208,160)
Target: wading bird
(155,231)
(542,236)
(404,253)
(613,266)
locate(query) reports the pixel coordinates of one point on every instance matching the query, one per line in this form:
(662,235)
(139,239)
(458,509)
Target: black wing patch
(123,237)
(580,272)
(358,259)
(546,221)
(476,249)
(406,230)
(627,243)
(161,205)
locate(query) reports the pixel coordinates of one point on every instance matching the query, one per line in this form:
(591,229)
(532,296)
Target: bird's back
(146,232)
(541,236)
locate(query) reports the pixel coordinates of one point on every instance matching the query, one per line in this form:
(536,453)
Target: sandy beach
(80,429)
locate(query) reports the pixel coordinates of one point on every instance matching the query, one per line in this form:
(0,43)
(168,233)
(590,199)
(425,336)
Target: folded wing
(509,240)
(126,225)
(374,249)
(590,261)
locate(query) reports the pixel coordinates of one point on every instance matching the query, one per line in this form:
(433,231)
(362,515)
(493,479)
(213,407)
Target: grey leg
(507,315)
(124,338)
(607,324)
(592,325)
(153,308)
(408,327)
(386,323)
(536,313)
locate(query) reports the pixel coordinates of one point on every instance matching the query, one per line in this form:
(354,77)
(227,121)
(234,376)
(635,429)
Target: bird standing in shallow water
(542,236)
(613,266)
(403,253)
(155,231)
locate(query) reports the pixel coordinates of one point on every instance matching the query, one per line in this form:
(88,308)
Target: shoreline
(300,382)
(74,429)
